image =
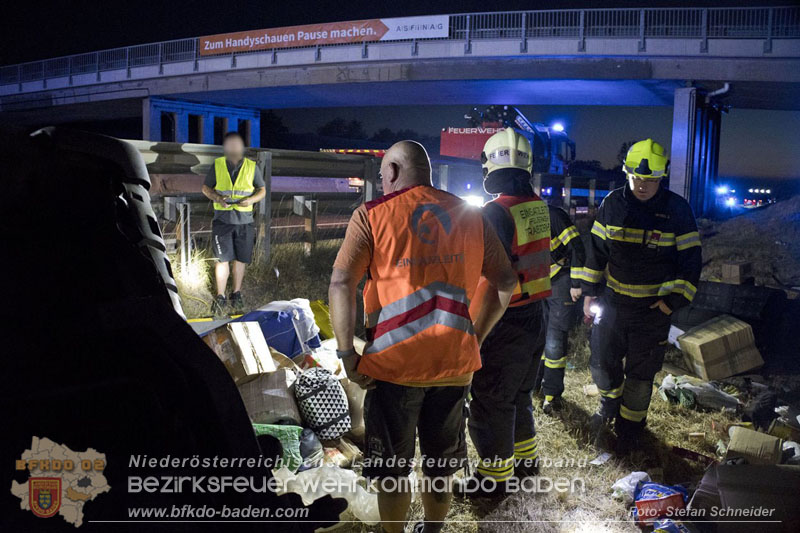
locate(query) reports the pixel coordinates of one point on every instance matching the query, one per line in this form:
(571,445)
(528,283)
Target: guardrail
(765,23)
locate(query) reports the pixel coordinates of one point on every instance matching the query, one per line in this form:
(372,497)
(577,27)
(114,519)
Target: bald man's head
(405,164)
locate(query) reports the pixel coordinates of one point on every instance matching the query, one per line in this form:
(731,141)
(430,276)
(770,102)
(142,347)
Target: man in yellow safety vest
(234,184)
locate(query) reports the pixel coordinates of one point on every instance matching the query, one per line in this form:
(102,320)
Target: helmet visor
(644,173)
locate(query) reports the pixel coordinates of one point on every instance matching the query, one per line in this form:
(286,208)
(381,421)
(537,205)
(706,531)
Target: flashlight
(595,309)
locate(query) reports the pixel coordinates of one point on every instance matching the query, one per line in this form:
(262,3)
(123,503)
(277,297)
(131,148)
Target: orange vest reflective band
(426,262)
(530,249)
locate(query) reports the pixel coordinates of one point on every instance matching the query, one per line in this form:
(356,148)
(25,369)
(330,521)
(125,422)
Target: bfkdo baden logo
(44,495)
(60,480)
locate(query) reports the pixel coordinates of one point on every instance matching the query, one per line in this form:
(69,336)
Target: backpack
(323,403)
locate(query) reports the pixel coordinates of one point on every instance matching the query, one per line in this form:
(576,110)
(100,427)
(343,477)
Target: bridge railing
(702,23)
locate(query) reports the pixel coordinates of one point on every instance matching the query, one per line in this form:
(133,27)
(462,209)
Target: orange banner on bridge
(328,33)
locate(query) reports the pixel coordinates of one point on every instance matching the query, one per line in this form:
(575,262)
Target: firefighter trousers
(501,422)
(628,345)
(560,318)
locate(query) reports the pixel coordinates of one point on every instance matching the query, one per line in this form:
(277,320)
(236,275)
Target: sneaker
(553,405)
(219,306)
(237,303)
(478,487)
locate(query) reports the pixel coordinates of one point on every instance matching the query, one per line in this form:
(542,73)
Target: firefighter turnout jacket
(567,253)
(529,246)
(647,250)
(419,285)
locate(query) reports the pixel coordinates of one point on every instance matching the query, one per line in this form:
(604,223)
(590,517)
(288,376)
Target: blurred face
(233,147)
(643,189)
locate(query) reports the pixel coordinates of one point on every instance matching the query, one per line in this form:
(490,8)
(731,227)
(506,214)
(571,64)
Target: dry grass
(289,274)
(769,237)
(566,438)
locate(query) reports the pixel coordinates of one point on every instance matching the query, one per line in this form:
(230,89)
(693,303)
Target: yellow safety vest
(243,187)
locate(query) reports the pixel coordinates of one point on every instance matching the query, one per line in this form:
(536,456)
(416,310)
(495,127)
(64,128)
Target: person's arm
(208,188)
(342,298)
(591,275)
(501,279)
(258,194)
(569,236)
(690,262)
(351,263)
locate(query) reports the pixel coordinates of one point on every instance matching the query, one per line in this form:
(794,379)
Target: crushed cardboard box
(722,347)
(737,273)
(243,350)
(754,446)
(269,398)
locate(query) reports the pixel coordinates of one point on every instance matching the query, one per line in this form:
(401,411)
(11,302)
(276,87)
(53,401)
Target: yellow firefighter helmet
(507,149)
(646,159)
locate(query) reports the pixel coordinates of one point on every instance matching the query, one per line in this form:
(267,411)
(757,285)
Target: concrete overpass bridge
(700,61)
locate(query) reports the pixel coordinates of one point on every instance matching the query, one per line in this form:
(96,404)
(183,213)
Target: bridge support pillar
(182,127)
(211,122)
(695,149)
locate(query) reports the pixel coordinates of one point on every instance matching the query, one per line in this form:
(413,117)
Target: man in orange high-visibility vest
(423,251)
(501,411)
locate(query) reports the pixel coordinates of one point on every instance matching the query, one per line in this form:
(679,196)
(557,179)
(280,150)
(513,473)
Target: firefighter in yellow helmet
(646,245)
(501,413)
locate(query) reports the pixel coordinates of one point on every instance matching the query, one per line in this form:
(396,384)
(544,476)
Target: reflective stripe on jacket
(426,263)
(530,248)
(241,189)
(646,250)
(566,248)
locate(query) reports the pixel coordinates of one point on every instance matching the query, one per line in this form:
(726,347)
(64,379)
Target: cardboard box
(758,448)
(752,493)
(722,347)
(737,272)
(269,398)
(243,350)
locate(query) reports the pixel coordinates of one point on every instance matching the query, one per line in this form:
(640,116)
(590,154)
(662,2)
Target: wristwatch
(345,353)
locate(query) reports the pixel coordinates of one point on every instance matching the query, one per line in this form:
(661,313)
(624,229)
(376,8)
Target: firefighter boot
(479,486)
(552,405)
(629,435)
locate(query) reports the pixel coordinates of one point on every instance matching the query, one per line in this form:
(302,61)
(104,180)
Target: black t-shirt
(233,216)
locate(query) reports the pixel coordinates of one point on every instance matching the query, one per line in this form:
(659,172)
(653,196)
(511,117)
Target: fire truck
(552,149)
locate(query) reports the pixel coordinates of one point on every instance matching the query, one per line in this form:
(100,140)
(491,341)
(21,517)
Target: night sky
(754,142)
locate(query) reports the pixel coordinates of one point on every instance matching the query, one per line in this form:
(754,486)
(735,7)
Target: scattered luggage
(288,327)
(323,403)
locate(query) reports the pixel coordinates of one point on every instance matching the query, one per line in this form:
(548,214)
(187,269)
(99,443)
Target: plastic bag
(690,392)
(289,437)
(654,501)
(322,317)
(624,489)
(310,450)
(667,525)
(314,484)
(288,327)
